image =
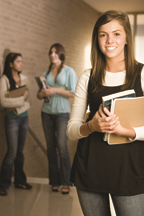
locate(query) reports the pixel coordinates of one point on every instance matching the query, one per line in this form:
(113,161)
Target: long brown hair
(97,57)
(10,58)
(61,53)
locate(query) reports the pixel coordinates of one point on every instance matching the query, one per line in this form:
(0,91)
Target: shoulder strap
(88,88)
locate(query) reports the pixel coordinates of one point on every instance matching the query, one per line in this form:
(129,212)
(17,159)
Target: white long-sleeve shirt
(20,104)
(80,102)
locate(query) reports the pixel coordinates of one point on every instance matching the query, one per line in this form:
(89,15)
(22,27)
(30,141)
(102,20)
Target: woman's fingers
(46,92)
(109,117)
(107,112)
(111,128)
(109,125)
(104,121)
(100,111)
(104,112)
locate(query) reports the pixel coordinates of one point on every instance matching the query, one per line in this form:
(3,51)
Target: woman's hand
(127,132)
(106,122)
(46,92)
(103,121)
(25,94)
(49,91)
(119,130)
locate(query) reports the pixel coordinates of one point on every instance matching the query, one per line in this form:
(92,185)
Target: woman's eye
(102,35)
(117,34)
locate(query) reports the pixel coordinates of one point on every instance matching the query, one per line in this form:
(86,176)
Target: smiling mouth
(110,48)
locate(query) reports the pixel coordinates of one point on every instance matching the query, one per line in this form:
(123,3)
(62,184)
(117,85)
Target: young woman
(15,122)
(98,168)
(61,81)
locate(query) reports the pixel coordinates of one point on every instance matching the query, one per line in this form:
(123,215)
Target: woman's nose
(109,39)
(52,54)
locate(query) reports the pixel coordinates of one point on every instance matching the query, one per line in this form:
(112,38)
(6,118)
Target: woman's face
(54,58)
(17,64)
(112,40)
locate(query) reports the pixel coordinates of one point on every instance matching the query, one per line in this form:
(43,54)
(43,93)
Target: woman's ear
(11,64)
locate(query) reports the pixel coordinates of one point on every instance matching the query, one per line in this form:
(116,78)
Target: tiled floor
(39,201)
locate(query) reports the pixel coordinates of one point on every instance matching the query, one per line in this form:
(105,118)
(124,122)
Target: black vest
(99,167)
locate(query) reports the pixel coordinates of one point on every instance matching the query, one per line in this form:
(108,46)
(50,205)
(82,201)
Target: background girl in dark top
(98,168)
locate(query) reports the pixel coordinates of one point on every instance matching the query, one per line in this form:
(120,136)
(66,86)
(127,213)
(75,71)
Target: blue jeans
(54,127)
(15,131)
(97,204)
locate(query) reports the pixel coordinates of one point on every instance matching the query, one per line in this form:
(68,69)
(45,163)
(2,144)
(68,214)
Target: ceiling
(124,5)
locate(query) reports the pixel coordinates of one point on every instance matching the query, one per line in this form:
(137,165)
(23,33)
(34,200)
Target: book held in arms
(41,81)
(131,114)
(18,92)
(106,101)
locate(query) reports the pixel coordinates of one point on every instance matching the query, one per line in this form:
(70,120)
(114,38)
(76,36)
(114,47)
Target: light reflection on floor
(39,201)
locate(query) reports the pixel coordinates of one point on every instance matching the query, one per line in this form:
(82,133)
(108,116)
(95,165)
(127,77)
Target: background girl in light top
(15,122)
(99,168)
(61,80)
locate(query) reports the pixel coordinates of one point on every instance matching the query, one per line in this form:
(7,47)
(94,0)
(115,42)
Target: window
(139,39)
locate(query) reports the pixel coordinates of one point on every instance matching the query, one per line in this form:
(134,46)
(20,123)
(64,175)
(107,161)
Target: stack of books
(41,81)
(18,92)
(128,108)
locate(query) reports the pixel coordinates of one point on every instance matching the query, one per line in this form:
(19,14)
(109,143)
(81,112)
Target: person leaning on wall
(61,82)
(15,123)
(100,169)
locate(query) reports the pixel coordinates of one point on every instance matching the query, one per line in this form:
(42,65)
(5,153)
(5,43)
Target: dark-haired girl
(15,122)
(61,81)
(100,169)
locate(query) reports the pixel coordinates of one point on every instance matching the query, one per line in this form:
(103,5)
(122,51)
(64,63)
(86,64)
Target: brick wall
(30,27)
